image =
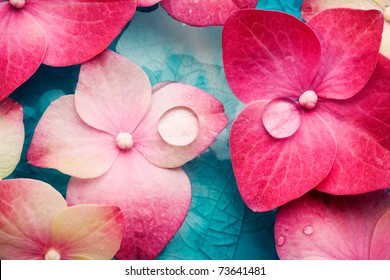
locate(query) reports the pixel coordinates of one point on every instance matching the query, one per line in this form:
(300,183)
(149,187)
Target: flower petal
(312,7)
(329,227)
(20,55)
(380,242)
(64,142)
(113,94)
(197,115)
(77,30)
(27,209)
(146,3)
(11,137)
(154,202)
(359,154)
(204,12)
(362,128)
(88,232)
(268,54)
(270,171)
(350,41)
(368,110)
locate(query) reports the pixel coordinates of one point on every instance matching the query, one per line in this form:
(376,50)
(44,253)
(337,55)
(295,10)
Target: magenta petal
(361,164)
(268,54)
(77,30)
(380,244)
(146,3)
(350,41)
(271,172)
(63,141)
(331,227)
(113,94)
(20,55)
(154,202)
(204,12)
(27,209)
(282,118)
(166,142)
(368,110)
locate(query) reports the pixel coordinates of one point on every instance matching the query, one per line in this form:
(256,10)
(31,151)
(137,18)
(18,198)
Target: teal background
(218,224)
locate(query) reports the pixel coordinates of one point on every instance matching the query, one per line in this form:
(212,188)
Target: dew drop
(196,1)
(189,96)
(190,11)
(281,240)
(208,17)
(308,230)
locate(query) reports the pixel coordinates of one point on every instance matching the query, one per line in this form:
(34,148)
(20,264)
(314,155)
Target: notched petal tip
(281,118)
(179,126)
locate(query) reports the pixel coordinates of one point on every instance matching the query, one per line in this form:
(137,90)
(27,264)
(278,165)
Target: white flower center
(17,3)
(308,99)
(52,254)
(124,140)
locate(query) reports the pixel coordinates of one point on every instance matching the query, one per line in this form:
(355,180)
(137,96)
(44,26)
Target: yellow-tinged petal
(87,232)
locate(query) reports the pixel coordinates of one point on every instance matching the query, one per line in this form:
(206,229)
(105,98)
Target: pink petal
(113,94)
(20,55)
(64,142)
(268,54)
(204,12)
(330,227)
(271,172)
(27,209)
(77,30)
(361,164)
(362,129)
(88,232)
(11,135)
(146,3)
(281,118)
(380,244)
(368,110)
(350,41)
(178,114)
(154,202)
(311,7)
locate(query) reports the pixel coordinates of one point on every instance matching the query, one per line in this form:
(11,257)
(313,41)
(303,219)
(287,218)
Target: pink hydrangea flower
(200,12)
(124,147)
(317,95)
(11,135)
(312,7)
(35,223)
(322,226)
(56,33)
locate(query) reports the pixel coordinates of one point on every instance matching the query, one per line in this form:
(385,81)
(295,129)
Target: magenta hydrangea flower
(124,147)
(317,95)
(322,226)
(312,7)
(56,33)
(200,12)
(11,135)
(35,223)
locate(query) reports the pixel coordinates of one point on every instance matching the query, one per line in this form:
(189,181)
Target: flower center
(17,3)
(308,99)
(124,140)
(386,13)
(52,254)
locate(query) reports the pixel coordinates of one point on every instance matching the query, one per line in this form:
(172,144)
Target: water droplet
(196,1)
(308,230)
(190,11)
(247,120)
(281,240)
(208,17)
(189,96)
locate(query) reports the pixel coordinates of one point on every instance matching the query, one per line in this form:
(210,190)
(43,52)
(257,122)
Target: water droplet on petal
(281,240)
(308,230)
(190,11)
(179,126)
(208,17)
(189,96)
